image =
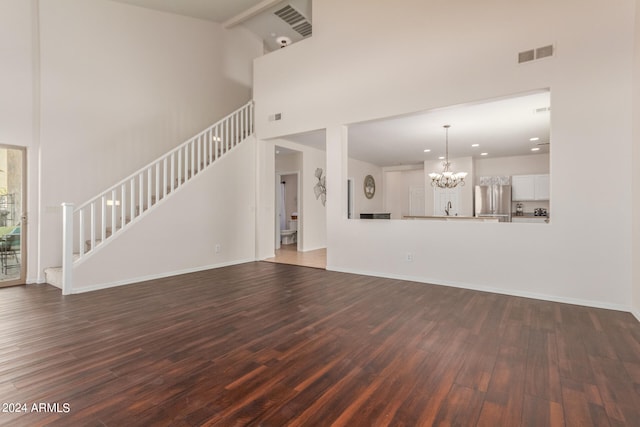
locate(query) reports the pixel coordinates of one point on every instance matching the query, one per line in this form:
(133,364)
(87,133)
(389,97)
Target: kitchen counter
(529,215)
(531,218)
(451,218)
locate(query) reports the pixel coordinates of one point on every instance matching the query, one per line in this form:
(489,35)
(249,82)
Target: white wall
(291,162)
(16,102)
(19,122)
(313,214)
(216,207)
(513,165)
(397,184)
(120,86)
(364,66)
(358,170)
(635,236)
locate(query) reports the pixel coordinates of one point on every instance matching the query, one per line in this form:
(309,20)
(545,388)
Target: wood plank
(274,344)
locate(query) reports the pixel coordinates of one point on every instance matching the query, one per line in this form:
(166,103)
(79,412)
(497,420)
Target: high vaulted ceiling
(211,10)
(258,16)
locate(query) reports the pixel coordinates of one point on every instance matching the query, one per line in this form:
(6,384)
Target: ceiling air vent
(538,53)
(542,110)
(304,29)
(526,56)
(289,15)
(295,19)
(543,52)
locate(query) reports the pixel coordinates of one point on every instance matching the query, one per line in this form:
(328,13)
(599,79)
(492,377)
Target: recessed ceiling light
(484,154)
(535,149)
(277,152)
(441,158)
(427,151)
(475,145)
(534,139)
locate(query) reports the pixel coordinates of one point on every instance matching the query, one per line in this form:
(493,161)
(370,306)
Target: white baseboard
(156,276)
(313,249)
(636,313)
(532,295)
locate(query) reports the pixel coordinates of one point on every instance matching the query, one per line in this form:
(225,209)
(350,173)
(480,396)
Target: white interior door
(416,201)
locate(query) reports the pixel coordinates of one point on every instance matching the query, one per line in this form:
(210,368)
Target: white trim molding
(157,276)
(542,297)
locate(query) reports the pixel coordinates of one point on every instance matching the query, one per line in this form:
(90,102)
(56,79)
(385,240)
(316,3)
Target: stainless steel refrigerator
(493,201)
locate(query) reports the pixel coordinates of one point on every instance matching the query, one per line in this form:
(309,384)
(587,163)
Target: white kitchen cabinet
(541,187)
(530,187)
(534,220)
(522,187)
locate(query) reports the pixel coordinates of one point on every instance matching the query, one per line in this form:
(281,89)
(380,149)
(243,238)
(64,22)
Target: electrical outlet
(409,257)
(218,248)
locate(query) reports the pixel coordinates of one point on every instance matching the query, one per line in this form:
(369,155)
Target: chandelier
(447,179)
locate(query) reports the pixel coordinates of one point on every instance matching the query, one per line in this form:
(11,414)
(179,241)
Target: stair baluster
(140,191)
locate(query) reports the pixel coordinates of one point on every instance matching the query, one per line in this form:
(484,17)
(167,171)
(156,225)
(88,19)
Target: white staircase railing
(99,219)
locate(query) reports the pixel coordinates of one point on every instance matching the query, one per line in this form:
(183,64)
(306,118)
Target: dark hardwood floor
(271,345)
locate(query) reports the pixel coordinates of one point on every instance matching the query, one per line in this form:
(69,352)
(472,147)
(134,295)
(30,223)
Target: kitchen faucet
(447,207)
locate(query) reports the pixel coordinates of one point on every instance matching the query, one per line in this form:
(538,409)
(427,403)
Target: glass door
(12,216)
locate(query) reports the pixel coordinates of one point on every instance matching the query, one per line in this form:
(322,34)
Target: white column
(265,199)
(67,248)
(635,183)
(337,165)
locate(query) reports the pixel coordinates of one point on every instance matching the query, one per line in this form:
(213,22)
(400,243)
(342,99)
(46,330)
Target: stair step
(53,275)
(87,243)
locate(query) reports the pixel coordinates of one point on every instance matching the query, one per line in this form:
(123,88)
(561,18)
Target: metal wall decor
(320,188)
(369,187)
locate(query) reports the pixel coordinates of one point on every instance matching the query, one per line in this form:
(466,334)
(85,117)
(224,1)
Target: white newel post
(67,247)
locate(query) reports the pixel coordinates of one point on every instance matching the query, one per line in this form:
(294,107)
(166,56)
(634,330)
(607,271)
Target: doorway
(287,208)
(288,225)
(290,215)
(12,216)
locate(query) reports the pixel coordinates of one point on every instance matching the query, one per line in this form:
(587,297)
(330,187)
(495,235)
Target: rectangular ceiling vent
(295,19)
(542,110)
(545,51)
(303,29)
(533,54)
(289,15)
(526,56)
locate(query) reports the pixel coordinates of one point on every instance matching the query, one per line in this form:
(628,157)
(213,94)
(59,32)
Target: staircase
(90,226)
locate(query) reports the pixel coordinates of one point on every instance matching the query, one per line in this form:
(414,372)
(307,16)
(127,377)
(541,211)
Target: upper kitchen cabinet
(530,187)
(541,187)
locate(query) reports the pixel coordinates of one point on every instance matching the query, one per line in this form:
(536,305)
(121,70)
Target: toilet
(289,235)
